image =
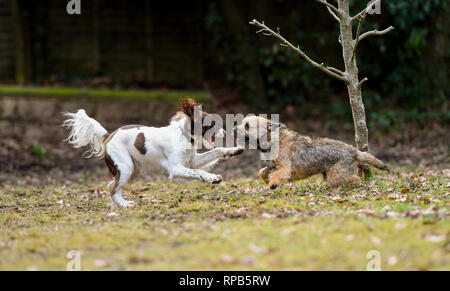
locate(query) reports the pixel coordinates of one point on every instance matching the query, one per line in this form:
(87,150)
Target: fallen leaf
(375,240)
(228,259)
(32,268)
(268,216)
(392,261)
(100,263)
(257,249)
(435,238)
(387,209)
(248,260)
(350,237)
(405,191)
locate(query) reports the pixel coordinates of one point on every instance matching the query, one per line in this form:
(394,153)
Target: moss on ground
(236,225)
(67,92)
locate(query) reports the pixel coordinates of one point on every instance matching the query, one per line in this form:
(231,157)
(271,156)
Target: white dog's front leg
(120,201)
(201,160)
(182,172)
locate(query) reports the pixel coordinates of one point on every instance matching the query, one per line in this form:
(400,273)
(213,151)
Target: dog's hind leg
(111,184)
(123,169)
(342,174)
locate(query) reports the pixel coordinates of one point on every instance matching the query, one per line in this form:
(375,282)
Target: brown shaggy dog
(299,157)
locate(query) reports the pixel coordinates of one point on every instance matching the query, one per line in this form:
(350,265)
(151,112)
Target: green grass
(66,92)
(239,224)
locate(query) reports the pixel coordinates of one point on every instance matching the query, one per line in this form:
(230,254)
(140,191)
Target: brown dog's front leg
(277,177)
(264,175)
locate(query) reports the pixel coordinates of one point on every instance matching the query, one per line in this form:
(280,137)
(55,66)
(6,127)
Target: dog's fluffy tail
(368,159)
(85,131)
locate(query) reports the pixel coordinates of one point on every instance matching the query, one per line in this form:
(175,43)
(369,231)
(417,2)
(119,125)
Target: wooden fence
(142,41)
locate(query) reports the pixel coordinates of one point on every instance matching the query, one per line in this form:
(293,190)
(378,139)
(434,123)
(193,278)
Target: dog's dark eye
(247,126)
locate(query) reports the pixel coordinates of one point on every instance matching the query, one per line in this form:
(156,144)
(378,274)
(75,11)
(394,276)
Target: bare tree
(350,76)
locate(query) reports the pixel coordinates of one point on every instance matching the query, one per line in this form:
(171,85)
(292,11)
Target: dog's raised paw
(238,152)
(212,179)
(235,152)
(217,180)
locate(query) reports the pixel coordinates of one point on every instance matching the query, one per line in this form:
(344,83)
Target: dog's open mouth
(210,141)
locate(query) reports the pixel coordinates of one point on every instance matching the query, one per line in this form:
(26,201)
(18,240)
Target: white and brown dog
(130,149)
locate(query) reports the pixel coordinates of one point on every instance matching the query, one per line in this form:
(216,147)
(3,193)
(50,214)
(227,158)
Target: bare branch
(334,14)
(358,33)
(376,32)
(328,70)
(334,11)
(362,82)
(361,17)
(364,12)
(331,8)
(337,71)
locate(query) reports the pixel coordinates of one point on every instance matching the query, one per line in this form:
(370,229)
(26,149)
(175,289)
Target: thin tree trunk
(353,84)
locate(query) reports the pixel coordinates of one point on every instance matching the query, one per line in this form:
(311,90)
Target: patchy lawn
(236,225)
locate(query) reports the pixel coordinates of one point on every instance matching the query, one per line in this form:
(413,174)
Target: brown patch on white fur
(114,172)
(187,109)
(187,106)
(139,144)
(109,137)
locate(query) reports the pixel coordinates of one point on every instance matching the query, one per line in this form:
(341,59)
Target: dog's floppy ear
(187,106)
